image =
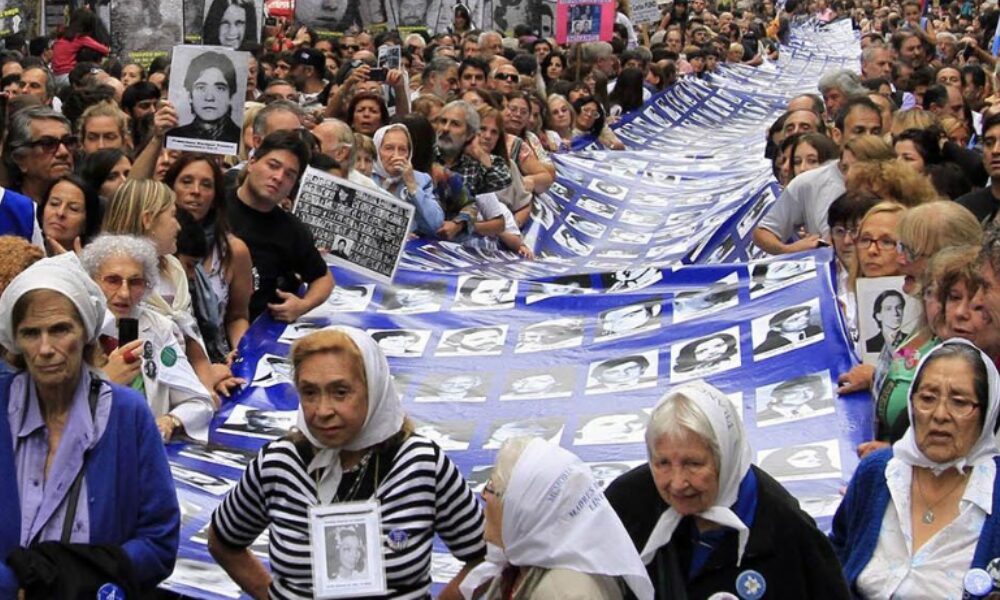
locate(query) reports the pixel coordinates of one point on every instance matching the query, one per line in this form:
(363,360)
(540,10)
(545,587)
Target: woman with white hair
(125,269)
(551,532)
(707,521)
(394,173)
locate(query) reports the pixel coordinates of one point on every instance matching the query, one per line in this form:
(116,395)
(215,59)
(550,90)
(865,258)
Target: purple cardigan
(132,501)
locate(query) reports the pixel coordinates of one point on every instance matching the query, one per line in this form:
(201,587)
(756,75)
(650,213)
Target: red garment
(64,52)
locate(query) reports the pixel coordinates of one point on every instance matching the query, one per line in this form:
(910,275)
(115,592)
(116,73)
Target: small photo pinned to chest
(347,560)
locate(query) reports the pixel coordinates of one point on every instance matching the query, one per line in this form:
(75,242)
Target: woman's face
(334,397)
(906,153)
(960,136)
(515,115)
(349,552)
(555,68)
(116,177)
(587,116)
(966,315)
(535,119)
(874,241)
(395,148)
(493,512)
(685,473)
(489,134)
(163,231)
(124,283)
(364,163)
(233,26)
(786,166)
(561,115)
(52,339)
(65,215)
(131,74)
(541,51)
(195,189)
(806,159)
(367,117)
(576,94)
(946,385)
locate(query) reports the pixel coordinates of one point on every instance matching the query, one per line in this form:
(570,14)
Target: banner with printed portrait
(334,17)
(142,31)
(437,16)
(233,24)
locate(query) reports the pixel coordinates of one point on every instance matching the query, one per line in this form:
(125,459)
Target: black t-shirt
(981,203)
(281,246)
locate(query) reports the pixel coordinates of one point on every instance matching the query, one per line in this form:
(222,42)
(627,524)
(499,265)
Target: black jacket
(794,557)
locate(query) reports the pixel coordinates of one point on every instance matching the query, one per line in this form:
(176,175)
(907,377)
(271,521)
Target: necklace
(928,517)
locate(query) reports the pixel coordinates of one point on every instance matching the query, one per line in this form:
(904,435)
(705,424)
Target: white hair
(678,415)
(510,452)
(139,249)
(486,35)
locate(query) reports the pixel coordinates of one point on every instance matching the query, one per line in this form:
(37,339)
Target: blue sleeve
(8,583)
(429,215)
(152,548)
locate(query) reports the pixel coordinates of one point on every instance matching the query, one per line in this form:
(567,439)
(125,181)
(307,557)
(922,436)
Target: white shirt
(938,567)
(806,201)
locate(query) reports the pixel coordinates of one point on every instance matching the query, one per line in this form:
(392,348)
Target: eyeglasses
(352,47)
(135,284)
(883,243)
(509,77)
(491,490)
(50,143)
(524,112)
(591,112)
(911,254)
(927,402)
(840,232)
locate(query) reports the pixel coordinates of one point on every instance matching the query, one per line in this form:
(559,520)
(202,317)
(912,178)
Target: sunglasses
(509,77)
(49,143)
(134,284)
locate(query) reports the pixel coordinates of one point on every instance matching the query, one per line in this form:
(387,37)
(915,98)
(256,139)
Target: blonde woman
(891,180)
(875,254)
(911,119)
(147,208)
(560,122)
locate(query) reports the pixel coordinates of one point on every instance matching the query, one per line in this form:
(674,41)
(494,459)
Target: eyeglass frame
(948,406)
(146,284)
(72,142)
(880,242)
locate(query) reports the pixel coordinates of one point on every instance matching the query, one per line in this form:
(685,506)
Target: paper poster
(584,20)
(886,315)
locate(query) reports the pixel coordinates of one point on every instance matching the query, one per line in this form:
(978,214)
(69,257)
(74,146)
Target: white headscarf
(377,139)
(555,516)
(63,274)
(734,462)
(906,448)
(384,420)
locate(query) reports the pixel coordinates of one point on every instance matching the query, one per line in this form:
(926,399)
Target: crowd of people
(130,273)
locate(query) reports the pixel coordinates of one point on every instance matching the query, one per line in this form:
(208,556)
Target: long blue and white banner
(645,279)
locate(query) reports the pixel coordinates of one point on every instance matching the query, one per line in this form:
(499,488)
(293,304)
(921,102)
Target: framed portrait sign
(346,539)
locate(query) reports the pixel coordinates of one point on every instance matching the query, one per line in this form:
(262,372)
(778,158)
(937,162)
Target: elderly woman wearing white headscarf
(353,444)
(125,269)
(394,173)
(709,522)
(66,438)
(921,519)
(552,533)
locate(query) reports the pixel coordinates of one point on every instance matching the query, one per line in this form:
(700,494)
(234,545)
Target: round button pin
(110,591)
(978,582)
(751,585)
(398,539)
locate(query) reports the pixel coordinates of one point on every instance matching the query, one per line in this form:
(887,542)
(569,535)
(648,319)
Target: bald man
(336,140)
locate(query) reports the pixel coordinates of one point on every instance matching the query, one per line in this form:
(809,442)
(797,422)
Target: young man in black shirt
(983,203)
(281,246)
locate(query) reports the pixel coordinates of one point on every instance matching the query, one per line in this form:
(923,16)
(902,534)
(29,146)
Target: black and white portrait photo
(423,297)
(625,236)
(482,293)
(818,460)
(272,370)
(328,16)
(207,88)
(786,330)
(349,298)
(547,428)
(585,226)
(553,334)
(631,319)
(629,280)
(212,484)
(567,285)
(568,241)
(139,29)
(606,472)
(795,399)
(720,295)
(401,343)
(775,275)
(615,428)
(631,372)
(234,24)
(887,312)
(301,328)
(342,247)
(601,209)
(453,387)
(473,341)
(606,188)
(705,356)
(256,422)
(449,435)
(346,549)
(641,219)
(537,384)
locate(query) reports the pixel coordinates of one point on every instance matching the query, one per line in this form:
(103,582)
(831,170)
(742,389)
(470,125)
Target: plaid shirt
(478,179)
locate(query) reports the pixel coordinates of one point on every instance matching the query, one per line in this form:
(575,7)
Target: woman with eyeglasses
(524,147)
(919,519)
(591,120)
(125,268)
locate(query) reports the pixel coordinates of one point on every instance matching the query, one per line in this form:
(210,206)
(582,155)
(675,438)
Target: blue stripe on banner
(642,282)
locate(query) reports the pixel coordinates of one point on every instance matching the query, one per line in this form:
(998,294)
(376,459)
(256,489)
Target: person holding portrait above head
(353,443)
(543,545)
(228,22)
(706,521)
(125,269)
(920,519)
(211,85)
(67,437)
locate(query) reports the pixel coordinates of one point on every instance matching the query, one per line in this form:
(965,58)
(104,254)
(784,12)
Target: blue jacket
(429,216)
(17,214)
(132,503)
(858,521)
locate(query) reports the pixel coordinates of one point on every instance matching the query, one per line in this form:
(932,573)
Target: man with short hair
(944,100)
(909,47)
(983,203)
(802,121)
(281,246)
(490,45)
(103,125)
(280,115)
(38,150)
(309,75)
(838,87)
(974,86)
(280,89)
(336,140)
(807,198)
(472,74)
(39,82)
(440,78)
(876,61)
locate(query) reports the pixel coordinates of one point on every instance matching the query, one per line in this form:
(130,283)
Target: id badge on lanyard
(347,558)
